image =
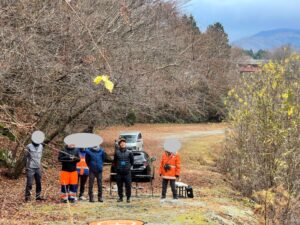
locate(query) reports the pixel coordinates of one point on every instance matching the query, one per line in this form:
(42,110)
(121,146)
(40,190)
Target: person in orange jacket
(169,171)
(68,157)
(83,172)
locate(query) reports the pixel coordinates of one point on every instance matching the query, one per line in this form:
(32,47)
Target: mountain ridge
(270,39)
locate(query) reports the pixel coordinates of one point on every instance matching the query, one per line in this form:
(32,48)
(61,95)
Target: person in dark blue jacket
(95,158)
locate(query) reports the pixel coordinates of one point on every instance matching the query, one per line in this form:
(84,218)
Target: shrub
(6,159)
(262,146)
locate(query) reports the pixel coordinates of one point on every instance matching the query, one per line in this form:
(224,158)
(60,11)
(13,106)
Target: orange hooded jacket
(174,161)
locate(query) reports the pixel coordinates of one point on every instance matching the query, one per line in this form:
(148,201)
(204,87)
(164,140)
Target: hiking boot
(128,200)
(91,198)
(82,198)
(100,199)
(40,199)
(120,200)
(64,201)
(72,200)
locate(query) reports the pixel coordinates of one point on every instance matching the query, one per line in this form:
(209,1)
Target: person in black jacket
(69,157)
(123,160)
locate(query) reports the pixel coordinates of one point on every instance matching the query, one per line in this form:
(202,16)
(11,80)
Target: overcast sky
(242,18)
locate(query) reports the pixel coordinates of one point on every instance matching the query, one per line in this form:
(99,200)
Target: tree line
(164,69)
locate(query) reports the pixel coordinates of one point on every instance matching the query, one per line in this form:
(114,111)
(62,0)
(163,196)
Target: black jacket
(123,160)
(69,157)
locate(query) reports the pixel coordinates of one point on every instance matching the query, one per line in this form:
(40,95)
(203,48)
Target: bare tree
(52,50)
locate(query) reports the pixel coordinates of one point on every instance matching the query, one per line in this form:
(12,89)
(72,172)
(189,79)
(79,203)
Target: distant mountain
(271,39)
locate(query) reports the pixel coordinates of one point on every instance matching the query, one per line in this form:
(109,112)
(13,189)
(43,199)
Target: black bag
(167,167)
(189,192)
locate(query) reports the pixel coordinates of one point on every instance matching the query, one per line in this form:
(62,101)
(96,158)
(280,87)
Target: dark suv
(142,169)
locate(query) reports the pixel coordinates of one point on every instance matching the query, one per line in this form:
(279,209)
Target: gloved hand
(160,175)
(177,177)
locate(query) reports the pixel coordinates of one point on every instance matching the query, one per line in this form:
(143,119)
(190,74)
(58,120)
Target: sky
(243,18)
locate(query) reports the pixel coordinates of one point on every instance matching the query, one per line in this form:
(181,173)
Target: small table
(181,189)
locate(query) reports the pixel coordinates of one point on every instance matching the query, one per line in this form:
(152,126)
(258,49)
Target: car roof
(130,133)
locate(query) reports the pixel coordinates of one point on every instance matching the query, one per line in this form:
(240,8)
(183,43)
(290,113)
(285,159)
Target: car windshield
(138,157)
(129,138)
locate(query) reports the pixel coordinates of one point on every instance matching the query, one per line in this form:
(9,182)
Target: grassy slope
(215,201)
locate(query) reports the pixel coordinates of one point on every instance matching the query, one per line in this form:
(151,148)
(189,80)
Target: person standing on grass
(170,167)
(83,172)
(123,160)
(95,157)
(69,157)
(34,153)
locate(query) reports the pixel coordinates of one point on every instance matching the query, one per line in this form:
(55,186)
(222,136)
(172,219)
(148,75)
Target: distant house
(250,65)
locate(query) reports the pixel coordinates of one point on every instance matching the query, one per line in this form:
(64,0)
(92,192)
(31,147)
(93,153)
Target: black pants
(165,185)
(37,175)
(92,176)
(121,179)
(82,181)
